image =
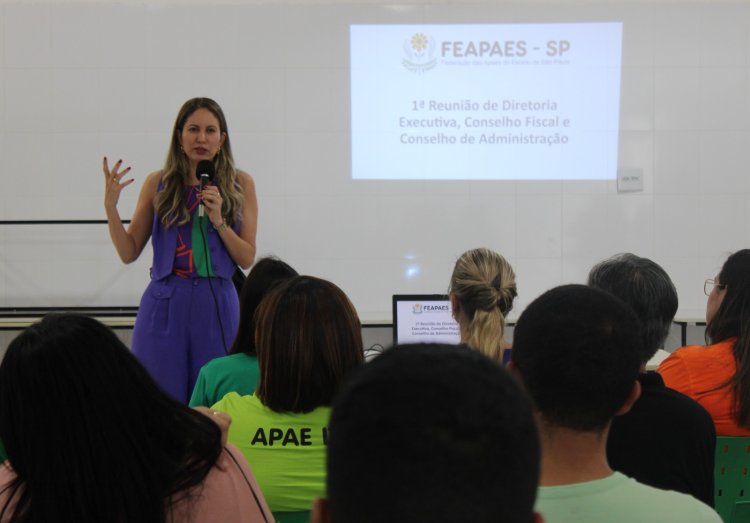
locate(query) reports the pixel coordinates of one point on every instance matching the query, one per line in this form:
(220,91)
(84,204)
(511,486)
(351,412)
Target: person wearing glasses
(718,375)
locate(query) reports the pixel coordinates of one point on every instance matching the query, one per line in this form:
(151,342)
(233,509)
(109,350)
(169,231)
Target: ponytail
(485,286)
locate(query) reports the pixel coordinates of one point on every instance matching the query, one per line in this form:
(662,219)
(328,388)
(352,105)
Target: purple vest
(164,243)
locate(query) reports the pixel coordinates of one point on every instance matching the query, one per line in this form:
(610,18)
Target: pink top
(229,494)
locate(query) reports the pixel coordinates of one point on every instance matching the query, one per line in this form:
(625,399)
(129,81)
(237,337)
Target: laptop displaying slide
(423,318)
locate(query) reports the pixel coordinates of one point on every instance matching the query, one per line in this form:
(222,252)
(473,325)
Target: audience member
(718,376)
(436,433)
(482,290)
(573,348)
(308,339)
(238,372)
(91,438)
(666,440)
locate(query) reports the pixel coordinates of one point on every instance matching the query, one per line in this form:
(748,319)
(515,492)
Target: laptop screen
(424,318)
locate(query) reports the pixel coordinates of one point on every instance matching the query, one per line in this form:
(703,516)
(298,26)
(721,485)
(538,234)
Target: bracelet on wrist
(221,227)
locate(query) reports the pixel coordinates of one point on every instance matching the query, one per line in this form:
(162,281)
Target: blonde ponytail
(485,285)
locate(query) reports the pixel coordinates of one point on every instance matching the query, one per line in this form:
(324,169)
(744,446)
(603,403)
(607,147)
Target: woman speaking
(200,232)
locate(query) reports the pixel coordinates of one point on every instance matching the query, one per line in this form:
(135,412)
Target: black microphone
(205,173)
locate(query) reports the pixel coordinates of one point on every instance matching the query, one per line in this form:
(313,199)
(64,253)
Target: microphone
(205,173)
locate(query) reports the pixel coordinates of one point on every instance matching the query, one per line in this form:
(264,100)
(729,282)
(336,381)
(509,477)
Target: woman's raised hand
(113,183)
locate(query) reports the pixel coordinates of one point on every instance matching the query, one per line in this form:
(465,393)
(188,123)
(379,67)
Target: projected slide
(485,102)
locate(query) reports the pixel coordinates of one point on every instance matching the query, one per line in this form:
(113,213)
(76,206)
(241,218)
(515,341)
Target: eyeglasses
(709,285)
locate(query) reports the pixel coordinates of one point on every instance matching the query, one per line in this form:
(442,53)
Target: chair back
(732,478)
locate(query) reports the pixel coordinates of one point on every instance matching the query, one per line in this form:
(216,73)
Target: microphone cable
(209,278)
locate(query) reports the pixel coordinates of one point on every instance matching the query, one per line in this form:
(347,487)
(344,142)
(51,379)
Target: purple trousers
(179,328)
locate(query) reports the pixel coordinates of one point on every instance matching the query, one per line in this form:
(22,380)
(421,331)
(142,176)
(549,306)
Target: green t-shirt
(619,499)
(236,373)
(286,451)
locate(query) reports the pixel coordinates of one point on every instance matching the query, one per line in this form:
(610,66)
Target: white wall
(79,80)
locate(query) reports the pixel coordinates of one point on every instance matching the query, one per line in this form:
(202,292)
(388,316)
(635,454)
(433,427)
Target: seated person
(666,440)
(718,375)
(433,433)
(91,437)
(573,350)
(238,372)
(482,290)
(308,339)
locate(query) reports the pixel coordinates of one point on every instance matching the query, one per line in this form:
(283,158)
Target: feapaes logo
(418,308)
(419,53)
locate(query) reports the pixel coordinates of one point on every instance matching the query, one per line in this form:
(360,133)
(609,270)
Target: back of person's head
(436,433)
(265,274)
(732,319)
(577,351)
(647,288)
(484,285)
(89,434)
(309,338)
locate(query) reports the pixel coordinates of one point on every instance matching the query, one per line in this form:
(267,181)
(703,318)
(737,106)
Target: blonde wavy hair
(485,285)
(170,202)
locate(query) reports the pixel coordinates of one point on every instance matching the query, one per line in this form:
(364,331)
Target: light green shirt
(236,373)
(619,499)
(286,451)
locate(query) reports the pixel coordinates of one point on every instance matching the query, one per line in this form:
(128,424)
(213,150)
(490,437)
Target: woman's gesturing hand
(113,183)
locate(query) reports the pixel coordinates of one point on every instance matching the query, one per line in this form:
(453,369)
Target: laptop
(424,318)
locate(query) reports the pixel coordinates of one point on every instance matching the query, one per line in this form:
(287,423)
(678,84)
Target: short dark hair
(265,274)
(436,433)
(577,351)
(123,449)
(308,337)
(647,288)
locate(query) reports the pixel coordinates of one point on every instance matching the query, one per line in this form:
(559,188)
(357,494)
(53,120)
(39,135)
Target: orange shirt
(695,371)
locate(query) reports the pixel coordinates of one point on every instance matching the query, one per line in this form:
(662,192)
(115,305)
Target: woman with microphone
(200,232)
